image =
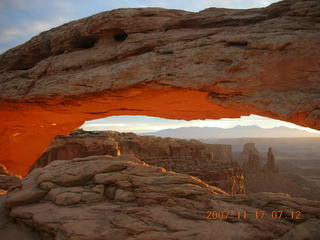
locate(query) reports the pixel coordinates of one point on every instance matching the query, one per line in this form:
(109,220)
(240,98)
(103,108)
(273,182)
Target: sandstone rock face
(250,158)
(73,146)
(7,179)
(10,230)
(157,62)
(211,163)
(171,153)
(227,176)
(260,177)
(104,197)
(271,165)
(248,148)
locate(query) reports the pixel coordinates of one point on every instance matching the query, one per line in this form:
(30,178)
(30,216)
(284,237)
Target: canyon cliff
(157,62)
(7,180)
(213,163)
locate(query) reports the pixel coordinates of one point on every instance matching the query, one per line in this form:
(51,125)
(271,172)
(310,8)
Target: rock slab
(104,197)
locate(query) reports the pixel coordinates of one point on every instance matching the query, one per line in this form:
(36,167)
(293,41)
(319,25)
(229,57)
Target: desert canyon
(60,183)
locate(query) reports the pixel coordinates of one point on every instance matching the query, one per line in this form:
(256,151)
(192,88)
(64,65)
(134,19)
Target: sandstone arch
(157,62)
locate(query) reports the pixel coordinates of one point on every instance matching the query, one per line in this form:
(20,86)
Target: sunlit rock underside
(157,62)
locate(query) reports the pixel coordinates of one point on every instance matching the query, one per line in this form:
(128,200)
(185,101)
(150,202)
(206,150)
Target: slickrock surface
(10,230)
(212,163)
(104,197)
(158,62)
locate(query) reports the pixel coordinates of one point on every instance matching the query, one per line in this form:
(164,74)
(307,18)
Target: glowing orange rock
(157,62)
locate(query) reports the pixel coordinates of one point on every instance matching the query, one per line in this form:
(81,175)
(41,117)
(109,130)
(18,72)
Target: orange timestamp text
(258,214)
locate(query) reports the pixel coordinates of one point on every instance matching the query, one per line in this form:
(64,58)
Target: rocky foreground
(217,63)
(105,197)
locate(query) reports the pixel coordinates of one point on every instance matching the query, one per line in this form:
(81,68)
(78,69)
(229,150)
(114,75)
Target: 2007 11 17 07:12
(258,214)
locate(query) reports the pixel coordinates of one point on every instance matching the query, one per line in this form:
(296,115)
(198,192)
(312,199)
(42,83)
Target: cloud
(29,29)
(22,19)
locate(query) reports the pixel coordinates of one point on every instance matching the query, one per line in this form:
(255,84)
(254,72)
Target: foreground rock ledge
(104,197)
(158,62)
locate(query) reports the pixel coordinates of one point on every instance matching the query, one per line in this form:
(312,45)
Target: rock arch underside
(157,62)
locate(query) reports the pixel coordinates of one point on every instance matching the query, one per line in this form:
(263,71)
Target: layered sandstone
(104,197)
(167,63)
(76,145)
(271,164)
(248,148)
(7,180)
(10,230)
(265,177)
(251,160)
(212,163)
(183,155)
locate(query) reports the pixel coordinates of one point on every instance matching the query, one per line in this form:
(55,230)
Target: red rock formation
(101,197)
(266,178)
(271,164)
(250,158)
(185,155)
(212,163)
(77,145)
(7,180)
(157,62)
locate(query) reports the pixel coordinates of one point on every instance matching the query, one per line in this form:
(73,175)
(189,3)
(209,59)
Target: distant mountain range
(235,132)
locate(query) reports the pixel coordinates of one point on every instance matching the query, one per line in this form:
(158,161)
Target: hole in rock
(120,37)
(239,43)
(86,42)
(246,155)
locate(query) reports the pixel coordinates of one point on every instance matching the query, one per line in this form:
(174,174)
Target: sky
(22,19)
(143,124)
